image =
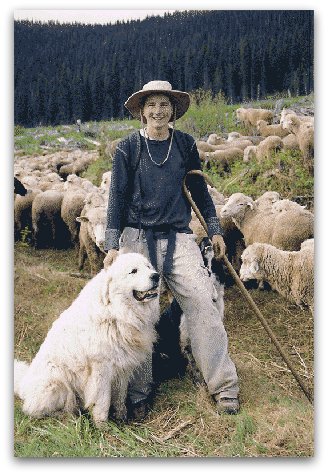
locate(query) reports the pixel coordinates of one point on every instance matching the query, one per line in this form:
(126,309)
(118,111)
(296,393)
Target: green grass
(284,173)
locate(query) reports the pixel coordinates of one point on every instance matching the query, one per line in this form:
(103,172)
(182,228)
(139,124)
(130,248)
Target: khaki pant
(190,284)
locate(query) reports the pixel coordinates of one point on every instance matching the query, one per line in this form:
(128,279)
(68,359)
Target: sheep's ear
(105,289)
(82,219)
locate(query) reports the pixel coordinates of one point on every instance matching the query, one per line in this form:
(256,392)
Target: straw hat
(181,99)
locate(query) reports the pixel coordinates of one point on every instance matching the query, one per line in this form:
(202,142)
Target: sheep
(234,137)
(249,117)
(265,149)
(217,197)
(19,188)
(249,153)
(290,273)
(265,201)
(205,146)
(48,227)
(23,212)
(77,166)
(215,139)
(283,230)
(75,182)
(96,199)
(268,147)
(92,237)
(232,236)
(281,206)
(221,159)
(266,130)
(71,207)
(105,182)
(304,133)
(290,142)
(286,114)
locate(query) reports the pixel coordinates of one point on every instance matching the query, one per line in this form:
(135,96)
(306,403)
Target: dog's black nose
(155,277)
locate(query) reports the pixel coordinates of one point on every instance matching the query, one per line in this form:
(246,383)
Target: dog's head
(131,277)
(206,249)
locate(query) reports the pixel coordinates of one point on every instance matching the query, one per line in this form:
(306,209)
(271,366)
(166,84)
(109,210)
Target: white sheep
(105,181)
(304,133)
(284,230)
(249,153)
(281,206)
(290,273)
(290,142)
(233,136)
(214,139)
(221,159)
(249,117)
(265,201)
(48,227)
(92,237)
(270,129)
(286,114)
(265,149)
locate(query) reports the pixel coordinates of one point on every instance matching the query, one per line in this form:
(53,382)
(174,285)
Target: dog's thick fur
(92,349)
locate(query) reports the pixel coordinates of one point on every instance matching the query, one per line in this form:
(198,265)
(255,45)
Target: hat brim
(182,101)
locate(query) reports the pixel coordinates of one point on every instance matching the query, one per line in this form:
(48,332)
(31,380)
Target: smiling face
(157,110)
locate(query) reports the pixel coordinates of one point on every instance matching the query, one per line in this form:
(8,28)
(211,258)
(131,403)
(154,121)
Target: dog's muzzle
(146,295)
(149,294)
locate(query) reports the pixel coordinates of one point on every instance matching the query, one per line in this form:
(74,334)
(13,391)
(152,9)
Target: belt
(152,233)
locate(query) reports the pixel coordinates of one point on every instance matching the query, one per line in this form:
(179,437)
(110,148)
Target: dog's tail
(20,369)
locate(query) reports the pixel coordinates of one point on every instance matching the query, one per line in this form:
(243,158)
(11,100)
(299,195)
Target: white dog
(92,349)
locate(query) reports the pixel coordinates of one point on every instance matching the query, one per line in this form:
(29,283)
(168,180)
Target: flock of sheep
(268,239)
(293,132)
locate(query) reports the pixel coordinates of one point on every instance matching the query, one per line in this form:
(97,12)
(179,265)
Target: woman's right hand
(110,258)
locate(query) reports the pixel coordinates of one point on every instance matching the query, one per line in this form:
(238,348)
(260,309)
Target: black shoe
(139,410)
(227,405)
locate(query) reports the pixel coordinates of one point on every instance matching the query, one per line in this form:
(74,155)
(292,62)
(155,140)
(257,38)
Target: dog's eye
(134,271)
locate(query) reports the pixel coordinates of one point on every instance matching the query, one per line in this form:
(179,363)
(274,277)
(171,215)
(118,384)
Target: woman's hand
(110,258)
(219,246)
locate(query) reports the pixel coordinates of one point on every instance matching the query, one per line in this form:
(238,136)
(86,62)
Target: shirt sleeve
(200,194)
(117,196)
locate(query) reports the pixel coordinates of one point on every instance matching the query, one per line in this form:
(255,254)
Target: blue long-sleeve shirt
(161,199)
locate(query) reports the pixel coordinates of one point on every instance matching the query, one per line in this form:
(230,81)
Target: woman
(148,213)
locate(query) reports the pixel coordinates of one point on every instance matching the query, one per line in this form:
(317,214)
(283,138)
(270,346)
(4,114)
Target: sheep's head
(95,219)
(290,122)
(269,196)
(251,263)
(233,136)
(260,124)
(237,206)
(249,153)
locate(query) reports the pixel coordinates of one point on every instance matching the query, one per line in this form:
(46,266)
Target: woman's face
(157,110)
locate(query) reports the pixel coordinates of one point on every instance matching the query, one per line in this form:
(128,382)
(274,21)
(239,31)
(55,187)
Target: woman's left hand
(219,246)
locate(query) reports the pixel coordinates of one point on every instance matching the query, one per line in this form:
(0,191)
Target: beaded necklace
(168,152)
(170,146)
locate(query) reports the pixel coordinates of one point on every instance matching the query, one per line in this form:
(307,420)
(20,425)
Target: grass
(276,419)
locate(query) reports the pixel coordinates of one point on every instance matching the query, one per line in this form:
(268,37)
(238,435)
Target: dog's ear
(104,296)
